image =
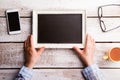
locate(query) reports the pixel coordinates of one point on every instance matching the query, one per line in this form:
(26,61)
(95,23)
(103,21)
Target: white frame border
(58,45)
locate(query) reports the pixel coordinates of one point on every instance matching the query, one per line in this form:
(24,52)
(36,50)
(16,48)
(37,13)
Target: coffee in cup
(113,54)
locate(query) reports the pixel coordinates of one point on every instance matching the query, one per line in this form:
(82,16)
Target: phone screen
(13,21)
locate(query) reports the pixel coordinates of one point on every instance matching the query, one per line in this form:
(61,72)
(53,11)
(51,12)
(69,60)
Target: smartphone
(13,21)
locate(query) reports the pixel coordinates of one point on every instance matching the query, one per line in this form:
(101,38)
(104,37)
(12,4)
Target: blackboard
(59,28)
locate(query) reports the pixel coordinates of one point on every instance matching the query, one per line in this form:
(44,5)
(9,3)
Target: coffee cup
(113,55)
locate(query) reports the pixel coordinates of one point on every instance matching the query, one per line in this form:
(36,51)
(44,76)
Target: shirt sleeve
(93,73)
(24,74)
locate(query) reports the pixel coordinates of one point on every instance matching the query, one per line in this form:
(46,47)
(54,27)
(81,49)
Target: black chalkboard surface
(59,28)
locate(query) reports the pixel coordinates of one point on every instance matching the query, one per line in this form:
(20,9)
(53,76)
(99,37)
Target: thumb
(79,51)
(40,50)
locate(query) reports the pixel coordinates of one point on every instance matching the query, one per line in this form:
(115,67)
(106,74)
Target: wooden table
(57,64)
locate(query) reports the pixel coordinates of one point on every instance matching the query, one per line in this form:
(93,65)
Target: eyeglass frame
(101,22)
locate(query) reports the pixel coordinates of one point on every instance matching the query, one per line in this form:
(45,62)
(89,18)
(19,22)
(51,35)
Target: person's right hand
(87,53)
(31,54)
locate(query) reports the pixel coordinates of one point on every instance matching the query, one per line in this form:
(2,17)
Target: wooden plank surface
(92,27)
(25,31)
(11,56)
(27,6)
(59,74)
(11,46)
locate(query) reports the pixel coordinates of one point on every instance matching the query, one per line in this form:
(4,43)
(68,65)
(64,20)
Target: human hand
(31,54)
(87,53)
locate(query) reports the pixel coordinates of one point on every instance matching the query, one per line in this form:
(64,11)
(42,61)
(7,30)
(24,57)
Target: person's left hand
(31,54)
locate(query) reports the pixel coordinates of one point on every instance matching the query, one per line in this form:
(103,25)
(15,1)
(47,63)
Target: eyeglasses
(100,17)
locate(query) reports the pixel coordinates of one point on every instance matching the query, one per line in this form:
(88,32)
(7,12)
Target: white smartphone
(13,21)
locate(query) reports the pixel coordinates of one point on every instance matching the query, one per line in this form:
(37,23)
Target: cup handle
(105,57)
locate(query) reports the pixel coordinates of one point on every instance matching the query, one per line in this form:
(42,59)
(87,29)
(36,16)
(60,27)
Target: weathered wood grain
(12,56)
(46,74)
(25,28)
(59,74)
(26,7)
(92,27)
